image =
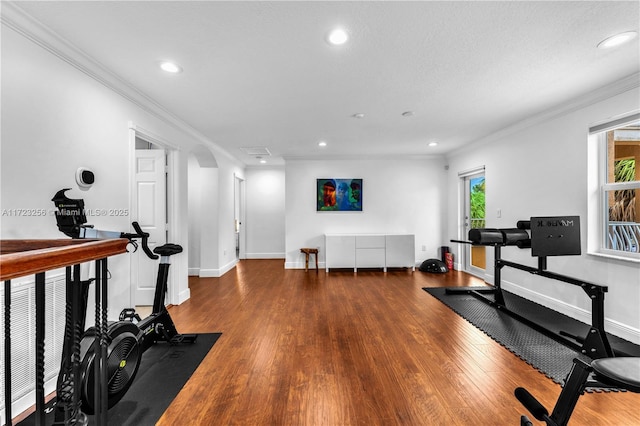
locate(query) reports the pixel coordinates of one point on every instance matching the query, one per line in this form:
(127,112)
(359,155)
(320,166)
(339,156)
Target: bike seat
(623,372)
(168,249)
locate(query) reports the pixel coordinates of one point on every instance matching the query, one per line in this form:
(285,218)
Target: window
(618,147)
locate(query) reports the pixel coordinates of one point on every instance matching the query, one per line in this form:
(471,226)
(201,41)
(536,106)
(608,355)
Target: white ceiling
(262,74)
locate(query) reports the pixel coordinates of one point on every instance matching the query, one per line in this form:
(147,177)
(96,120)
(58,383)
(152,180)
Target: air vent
(256,150)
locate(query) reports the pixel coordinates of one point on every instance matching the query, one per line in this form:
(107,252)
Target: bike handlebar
(144,237)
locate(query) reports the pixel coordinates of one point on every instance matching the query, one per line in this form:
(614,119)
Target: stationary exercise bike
(128,338)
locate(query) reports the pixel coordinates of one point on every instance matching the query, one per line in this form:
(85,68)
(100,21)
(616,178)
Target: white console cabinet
(369,251)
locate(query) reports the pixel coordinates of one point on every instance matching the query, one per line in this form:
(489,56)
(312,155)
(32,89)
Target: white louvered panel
(23,337)
(54,326)
(22,341)
(2,395)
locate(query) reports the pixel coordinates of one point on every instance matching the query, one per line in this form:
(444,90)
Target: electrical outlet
(424,248)
(499,213)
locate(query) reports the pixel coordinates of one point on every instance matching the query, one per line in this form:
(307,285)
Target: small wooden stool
(307,252)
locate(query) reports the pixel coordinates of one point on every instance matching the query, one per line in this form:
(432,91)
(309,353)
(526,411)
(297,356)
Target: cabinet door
(340,251)
(370,257)
(370,241)
(400,251)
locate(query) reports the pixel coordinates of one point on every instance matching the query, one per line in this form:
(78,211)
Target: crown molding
(628,83)
(15,18)
(364,157)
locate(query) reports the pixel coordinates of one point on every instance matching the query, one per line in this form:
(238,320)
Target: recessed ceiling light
(263,161)
(433,143)
(338,37)
(617,39)
(171,67)
(408,114)
(358,115)
(322,143)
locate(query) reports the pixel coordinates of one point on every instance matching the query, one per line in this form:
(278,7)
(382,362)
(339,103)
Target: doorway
(150,209)
(474,216)
(238,214)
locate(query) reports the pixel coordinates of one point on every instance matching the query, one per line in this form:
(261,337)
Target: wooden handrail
(27,257)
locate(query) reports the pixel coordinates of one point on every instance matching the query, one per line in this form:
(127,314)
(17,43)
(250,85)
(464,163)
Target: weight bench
(620,373)
(557,236)
(550,236)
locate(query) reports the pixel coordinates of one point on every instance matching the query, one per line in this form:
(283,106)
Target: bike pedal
(129,314)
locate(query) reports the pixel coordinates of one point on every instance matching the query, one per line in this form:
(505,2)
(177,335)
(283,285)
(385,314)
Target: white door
(150,198)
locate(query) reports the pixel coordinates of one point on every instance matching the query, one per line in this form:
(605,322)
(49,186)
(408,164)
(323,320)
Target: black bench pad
(623,372)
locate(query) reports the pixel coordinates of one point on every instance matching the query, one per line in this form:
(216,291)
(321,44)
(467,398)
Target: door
(238,214)
(150,195)
(474,217)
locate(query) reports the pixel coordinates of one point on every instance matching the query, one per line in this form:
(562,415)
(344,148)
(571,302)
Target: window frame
(598,232)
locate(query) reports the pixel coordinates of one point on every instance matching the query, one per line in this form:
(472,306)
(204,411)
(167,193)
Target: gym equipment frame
(620,373)
(550,236)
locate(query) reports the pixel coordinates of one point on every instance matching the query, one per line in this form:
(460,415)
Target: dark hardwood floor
(372,348)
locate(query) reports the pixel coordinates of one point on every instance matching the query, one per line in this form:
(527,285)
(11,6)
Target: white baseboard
(184,296)
(300,265)
(216,273)
(194,272)
(616,328)
(265,255)
(209,273)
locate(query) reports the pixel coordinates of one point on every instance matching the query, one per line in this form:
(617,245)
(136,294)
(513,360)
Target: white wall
(541,170)
(194,215)
(211,215)
(265,213)
(203,220)
(398,196)
(226,220)
(55,118)
(207,228)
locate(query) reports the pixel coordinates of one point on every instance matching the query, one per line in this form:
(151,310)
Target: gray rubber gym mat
(551,358)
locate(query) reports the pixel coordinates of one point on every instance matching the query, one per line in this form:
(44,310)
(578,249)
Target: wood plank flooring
(372,348)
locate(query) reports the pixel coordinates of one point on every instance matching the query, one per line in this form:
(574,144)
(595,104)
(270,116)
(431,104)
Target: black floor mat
(545,354)
(163,372)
